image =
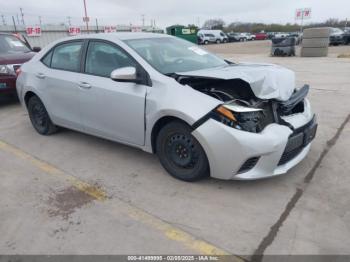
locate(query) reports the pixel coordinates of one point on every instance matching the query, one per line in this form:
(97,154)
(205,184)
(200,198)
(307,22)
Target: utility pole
(96,25)
(40,21)
(22,15)
(69,23)
(143,20)
(86,18)
(14,23)
(3,19)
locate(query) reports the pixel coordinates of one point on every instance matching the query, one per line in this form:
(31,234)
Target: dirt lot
(71,193)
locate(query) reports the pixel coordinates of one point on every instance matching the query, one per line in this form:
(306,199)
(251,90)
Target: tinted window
(47,59)
(102,58)
(67,56)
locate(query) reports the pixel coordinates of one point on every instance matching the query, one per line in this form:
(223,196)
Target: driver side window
(102,58)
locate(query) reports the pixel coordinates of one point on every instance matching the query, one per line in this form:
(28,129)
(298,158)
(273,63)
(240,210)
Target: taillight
(18,71)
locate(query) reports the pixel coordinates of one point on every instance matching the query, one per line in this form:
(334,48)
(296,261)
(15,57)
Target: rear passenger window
(67,56)
(102,58)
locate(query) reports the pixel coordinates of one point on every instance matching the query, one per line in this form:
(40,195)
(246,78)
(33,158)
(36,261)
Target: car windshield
(11,44)
(170,55)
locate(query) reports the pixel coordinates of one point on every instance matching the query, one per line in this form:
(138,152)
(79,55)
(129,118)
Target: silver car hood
(267,81)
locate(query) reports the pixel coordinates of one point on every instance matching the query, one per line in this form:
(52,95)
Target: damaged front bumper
(236,154)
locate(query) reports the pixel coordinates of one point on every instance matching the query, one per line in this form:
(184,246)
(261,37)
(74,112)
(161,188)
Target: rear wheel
(180,153)
(218,41)
(39,117)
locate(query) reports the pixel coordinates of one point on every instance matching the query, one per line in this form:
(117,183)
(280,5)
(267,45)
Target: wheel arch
(27,96)
(159,124)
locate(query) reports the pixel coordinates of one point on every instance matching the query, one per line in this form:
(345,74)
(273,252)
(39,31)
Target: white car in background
(202,115)
(249,36)
(220,36)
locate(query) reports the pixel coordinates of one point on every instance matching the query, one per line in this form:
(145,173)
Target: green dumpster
(187,33)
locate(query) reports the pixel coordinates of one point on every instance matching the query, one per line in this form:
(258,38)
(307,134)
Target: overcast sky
(168,12)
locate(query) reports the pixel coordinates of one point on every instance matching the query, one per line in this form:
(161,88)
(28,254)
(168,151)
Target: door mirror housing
(36,49)
(125,74)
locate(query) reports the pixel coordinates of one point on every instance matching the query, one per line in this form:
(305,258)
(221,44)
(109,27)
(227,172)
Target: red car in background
(14,51)
(260,36)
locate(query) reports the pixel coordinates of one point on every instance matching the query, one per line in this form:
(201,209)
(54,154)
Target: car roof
(117,36)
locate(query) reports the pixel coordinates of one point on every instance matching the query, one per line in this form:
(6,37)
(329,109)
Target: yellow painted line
(137,214)
(50,169)
(171,232)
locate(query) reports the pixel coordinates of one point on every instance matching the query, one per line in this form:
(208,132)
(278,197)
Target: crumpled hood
(267,81)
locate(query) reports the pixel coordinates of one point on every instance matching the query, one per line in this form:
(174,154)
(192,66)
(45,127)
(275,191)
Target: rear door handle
(84,85)
(40,75)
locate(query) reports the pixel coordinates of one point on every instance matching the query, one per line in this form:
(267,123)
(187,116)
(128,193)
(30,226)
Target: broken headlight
(239,117)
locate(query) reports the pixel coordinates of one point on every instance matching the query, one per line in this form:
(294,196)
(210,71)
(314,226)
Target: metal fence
(51,33)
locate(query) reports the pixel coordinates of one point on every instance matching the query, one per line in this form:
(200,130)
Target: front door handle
(84,85)
(40,75)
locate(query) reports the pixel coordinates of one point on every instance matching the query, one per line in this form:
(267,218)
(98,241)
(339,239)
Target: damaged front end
(246,111)
(262,101)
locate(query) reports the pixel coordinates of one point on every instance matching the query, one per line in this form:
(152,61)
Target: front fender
(174,100)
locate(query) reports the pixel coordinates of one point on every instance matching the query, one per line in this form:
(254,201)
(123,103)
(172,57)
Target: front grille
(249,164)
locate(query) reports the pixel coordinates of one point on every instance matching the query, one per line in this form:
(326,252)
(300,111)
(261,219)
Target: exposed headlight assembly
(239,117)
(6,70)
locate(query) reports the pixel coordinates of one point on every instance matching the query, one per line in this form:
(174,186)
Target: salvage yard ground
(72,193)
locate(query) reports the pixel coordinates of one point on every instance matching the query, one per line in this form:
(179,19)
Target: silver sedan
(202,115)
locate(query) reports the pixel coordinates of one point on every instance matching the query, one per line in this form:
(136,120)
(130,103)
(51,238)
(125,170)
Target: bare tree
(214,24)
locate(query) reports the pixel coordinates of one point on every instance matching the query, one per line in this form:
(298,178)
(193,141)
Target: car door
(60,76)
(111,109)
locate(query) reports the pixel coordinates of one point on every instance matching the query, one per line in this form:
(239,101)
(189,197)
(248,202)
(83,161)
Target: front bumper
(333,40)
(7,84)
(228,149)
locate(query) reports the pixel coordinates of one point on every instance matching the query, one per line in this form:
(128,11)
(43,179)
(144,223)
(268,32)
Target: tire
(315,42)
(206,42)
(180,153)
(218,41)
(225,41)
(39,117)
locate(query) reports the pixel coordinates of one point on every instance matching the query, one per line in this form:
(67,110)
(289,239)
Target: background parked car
(249,36)
(336,37)
(346,37)
(260,36)
(220,36)
(280,34)
(234,37)
(14,51)
(205,39)
(298,37)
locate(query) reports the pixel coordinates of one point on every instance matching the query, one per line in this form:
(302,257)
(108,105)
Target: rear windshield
(11,44)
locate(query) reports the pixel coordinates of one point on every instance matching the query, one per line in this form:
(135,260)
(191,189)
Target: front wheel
(39,117)
(180,153)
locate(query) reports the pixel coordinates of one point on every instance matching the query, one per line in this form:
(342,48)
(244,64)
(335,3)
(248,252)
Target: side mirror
(36,49)
(124,74)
